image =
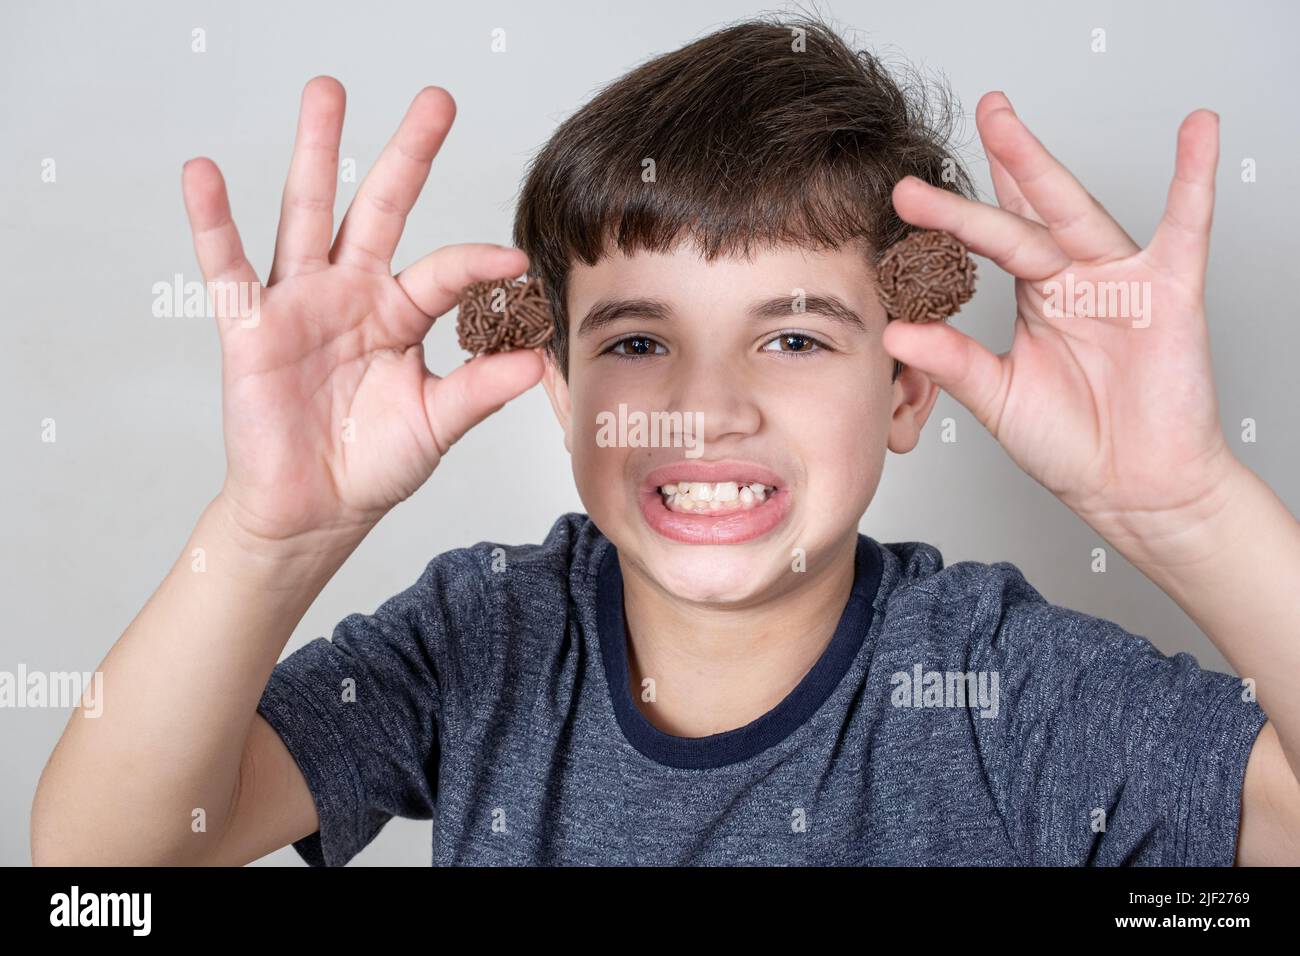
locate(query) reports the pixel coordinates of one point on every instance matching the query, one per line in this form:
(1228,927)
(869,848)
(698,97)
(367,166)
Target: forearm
(1235,570)
(180,690)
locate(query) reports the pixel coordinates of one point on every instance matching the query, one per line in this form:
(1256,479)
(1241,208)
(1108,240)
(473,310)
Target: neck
(716,669)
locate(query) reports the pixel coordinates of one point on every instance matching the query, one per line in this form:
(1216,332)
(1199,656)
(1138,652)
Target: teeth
(689,496)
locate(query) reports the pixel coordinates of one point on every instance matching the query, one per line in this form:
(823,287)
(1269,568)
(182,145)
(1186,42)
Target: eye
(795,343)
(637,347)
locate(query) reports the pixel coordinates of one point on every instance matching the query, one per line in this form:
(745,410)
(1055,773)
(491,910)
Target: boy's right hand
(330,416)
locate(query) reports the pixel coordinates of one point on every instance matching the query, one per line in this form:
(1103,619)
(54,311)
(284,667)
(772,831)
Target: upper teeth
(690,495)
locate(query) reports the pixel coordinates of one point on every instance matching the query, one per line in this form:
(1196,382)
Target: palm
(1114,413)
(326,418)
(331,416)
(1096,406)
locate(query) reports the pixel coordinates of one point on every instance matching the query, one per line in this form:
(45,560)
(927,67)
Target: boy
(685,673)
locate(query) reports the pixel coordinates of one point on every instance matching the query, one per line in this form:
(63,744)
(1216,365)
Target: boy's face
(795,397)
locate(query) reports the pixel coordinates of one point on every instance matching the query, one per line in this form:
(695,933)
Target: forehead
(683,276)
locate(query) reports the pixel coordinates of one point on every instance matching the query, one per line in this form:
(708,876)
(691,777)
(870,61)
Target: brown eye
(793,343)
(633,347)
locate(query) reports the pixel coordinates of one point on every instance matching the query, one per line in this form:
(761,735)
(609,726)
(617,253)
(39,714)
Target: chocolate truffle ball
(503,314)
(925,277)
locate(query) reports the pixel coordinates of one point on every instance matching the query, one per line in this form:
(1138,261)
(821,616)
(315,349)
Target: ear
(914,397)
(557,390)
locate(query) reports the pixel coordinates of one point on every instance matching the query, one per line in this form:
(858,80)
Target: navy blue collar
(732,746)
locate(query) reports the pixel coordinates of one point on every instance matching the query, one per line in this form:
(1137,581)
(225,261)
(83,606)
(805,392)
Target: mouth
(721,502)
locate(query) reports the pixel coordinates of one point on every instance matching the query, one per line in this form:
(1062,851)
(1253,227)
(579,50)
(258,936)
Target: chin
(717,574)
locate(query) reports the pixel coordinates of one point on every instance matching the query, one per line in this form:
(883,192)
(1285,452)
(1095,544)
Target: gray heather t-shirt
(955,718)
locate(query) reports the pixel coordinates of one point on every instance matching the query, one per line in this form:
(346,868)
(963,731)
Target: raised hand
(1115,414)
(330,415)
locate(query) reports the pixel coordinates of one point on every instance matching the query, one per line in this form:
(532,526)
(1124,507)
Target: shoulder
(500,593)
(486,610)
(915,576)
(991,610)
(1083,715)
(572,542)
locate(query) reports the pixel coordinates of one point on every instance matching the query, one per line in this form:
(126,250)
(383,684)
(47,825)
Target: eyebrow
(608,311)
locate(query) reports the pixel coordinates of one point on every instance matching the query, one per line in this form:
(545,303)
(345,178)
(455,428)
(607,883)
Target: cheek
(597,470)
(839,427)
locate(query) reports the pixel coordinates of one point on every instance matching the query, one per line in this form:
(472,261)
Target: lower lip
(731,528)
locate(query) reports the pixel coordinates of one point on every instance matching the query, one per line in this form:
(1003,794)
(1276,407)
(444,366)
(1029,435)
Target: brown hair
(754,141)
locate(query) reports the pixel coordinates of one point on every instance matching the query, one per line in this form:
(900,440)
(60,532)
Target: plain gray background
(115,96)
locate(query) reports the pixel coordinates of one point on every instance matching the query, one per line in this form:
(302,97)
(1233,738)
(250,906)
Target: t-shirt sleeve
(1106,751)
(363,713)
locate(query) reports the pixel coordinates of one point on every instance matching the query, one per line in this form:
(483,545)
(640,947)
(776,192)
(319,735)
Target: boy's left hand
(1115,414)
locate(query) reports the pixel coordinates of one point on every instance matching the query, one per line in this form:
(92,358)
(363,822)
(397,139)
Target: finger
(1182,240)
(375,219)
(459,401)
(1077,221)
(1009,195)
(216,240)
(1023,248)
(435,282)
(955,362)
(302,243)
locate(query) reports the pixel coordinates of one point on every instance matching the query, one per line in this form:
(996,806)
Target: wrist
(305,560)
(1197,534)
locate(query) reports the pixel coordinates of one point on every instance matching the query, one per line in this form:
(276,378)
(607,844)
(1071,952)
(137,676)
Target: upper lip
(726,469)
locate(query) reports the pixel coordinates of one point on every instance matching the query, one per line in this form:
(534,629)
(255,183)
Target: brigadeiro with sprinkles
(925,277)
(500,315)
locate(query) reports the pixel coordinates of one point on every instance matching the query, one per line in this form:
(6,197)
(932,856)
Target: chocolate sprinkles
(925,277)
(499,315)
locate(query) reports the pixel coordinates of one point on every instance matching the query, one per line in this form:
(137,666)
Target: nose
(721,393)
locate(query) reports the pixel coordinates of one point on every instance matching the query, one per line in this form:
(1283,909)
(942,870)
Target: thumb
(459,401)
(954,361)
